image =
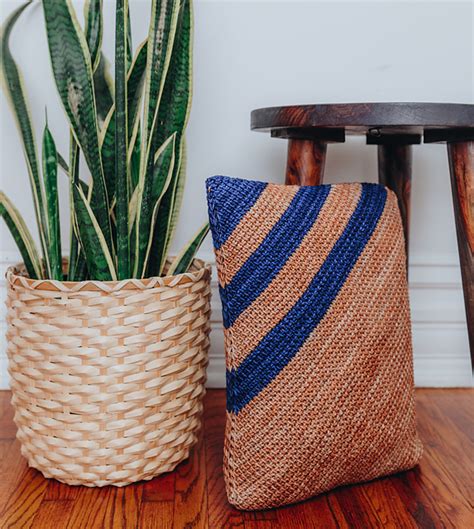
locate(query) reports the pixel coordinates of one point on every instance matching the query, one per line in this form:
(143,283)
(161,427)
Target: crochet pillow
(317,337)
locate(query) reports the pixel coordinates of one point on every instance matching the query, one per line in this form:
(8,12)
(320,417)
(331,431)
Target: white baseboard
(441,349)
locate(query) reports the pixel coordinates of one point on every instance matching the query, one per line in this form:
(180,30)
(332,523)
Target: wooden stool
(394,128)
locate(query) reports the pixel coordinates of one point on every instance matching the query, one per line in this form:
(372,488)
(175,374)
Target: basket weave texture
(317,336)
(107,378)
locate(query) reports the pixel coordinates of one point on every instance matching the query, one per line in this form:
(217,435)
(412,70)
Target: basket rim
(16,276)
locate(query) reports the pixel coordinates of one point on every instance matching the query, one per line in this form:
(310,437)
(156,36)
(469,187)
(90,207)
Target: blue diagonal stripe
(282,343)
(269,258)
(232,198)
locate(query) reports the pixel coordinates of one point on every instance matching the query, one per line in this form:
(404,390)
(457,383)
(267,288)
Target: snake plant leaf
(167,215)
(135,79)
(94,29)
(73,174)
(184,259)
(175,104)
(103,90)
(134,150)
(176,206)
(177,196)
(173,116)
(132,210)
(149,200)
(161,36)
(83,185)
(50,178)
(121,140)
(129,39)
(135,92)
(72,69)
(62,164)
(21,236)
(12,82)
(95,248)
(103,86)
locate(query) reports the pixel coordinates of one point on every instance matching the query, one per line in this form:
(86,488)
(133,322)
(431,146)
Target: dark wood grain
(7,426)
(90,508)
(461,165)
(24,500)
(158,502)
(437,494)
(324,509)
(395,167)
(305,162)
(190,501)
(54,514)
(156,514)
(360,118)
(220,513)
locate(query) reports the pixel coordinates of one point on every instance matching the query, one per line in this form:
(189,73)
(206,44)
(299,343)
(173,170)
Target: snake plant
(131,133)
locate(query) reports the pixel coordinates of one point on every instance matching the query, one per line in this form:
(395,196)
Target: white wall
(250,54)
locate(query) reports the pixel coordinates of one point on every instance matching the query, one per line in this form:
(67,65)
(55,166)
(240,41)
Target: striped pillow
(317,336)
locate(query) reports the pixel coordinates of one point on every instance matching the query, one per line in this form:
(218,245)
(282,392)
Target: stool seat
(403,122)
(394,128)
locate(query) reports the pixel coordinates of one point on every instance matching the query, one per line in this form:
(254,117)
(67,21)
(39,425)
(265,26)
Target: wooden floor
(437,494)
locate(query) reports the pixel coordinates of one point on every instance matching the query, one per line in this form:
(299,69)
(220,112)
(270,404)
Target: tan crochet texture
(342,410)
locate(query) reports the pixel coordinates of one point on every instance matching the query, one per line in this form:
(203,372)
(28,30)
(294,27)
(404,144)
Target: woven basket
(108,377)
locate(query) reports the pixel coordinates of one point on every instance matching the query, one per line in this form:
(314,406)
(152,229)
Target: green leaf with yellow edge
(50,179)
(122,191)
(148,200)
(135,79)
(13,85)
(161,37)
(173,116)
(184,259)
(21,236)
(103,90)
(94,29)
(99,260)
(72,69)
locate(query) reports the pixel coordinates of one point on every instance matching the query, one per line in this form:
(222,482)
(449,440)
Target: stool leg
(461,166)
(305,164)
(395,163)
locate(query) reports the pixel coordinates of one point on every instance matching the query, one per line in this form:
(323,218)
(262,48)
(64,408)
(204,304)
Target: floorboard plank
(190,503)
(389,507)
(437,494)
(123,507)
(221,513)
(428,512)
(357,509)
(261,519)
(24,501)
(316,513)
(7,426)
(156,515)
(12,469)
(161,488)
(89,508)
(57,491)
(446,451)
(53,514)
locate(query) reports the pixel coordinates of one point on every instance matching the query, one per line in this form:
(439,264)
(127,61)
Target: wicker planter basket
(108,377)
